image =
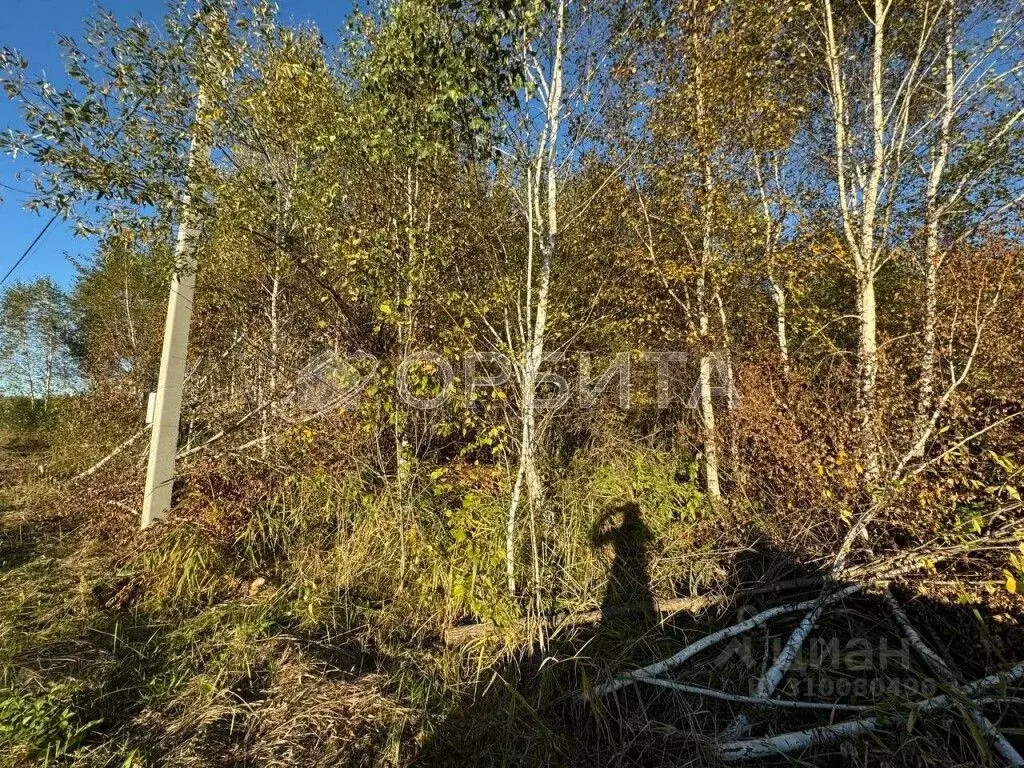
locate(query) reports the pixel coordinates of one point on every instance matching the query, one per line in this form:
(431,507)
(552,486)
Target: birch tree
(538,160)
(921,94)
(694,215)
(872,94)
(971,167)
(35,329)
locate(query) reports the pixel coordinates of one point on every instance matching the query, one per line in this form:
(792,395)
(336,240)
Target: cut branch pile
(735,747)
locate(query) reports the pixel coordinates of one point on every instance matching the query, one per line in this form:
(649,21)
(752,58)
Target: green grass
(301,625)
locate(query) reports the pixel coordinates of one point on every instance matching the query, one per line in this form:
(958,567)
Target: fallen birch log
(99,464)
(770,680)
(797,741)
(127,443)
(739,698)
(224,432)
(291,425)
(658,668)
(940,668)
(878,572)
(774,675)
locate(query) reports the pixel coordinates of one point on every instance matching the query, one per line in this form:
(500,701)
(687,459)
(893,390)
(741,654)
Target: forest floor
(105,664)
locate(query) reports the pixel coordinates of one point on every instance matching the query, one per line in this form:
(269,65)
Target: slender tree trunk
(546,218)
(128,312)
(779,298)
(868,379)
(735,466)
(512,519)
(860,232)
(27,354)
(707,412)
(932,249)
(773,234)
(48,370)
(926,390)
(275,330)
(866,305)
(707,405)
(272,363)
(704,290)
(47,322)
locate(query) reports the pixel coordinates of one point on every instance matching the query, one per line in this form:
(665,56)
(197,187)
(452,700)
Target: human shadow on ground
(629,580)
(535,709)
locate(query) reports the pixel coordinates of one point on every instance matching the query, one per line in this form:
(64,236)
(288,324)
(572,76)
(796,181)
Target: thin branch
(653,670)
(797,741)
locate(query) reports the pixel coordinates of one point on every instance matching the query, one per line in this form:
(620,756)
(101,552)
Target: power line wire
(124,120)
(28,250)
(15,189)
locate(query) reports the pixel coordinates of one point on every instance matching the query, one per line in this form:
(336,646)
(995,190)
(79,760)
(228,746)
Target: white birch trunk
(932,249)
(267,398)
(867,311)
(861,231)
(779,298)
(704,288)
(707,412)
(544,218)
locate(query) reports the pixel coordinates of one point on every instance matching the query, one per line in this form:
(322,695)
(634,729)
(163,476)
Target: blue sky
(33,26)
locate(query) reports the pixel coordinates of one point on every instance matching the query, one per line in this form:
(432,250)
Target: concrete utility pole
(163,446)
